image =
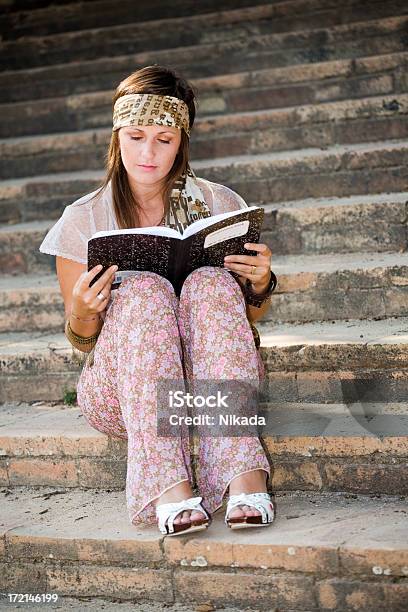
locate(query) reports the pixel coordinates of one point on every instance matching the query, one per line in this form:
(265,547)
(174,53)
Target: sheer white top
(69,236)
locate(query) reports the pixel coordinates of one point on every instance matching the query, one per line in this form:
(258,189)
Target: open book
(167,252)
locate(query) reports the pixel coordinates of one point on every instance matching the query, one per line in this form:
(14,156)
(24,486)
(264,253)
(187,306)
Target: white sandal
(168,512)
(261,501)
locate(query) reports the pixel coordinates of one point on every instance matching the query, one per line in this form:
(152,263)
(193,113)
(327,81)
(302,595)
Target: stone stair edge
(268,8)
(285,156)
(144,544)
(303,113)
(378,199)
(230,81)
(232,12)
(11,74)
(377,331)
(230,16)
(288,265)
(43,429)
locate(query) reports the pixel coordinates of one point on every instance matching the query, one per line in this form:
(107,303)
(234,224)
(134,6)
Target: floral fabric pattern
(150,334)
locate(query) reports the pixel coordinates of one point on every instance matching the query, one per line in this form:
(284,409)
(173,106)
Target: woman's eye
(138,138)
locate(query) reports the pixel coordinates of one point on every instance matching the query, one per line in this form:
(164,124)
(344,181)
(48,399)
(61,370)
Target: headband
(150,109)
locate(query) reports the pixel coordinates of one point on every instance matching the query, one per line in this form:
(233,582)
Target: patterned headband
(150,109)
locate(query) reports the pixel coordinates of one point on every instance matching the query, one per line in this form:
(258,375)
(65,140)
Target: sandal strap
(260,501)
(168,512)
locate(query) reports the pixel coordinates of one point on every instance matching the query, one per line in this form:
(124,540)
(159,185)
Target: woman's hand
(84,298)
(242,265)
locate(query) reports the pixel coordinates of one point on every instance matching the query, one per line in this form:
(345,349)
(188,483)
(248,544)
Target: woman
(141,331)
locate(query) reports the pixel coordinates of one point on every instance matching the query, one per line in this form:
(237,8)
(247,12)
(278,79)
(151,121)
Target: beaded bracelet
(73,337)
(257,299)
(81,319)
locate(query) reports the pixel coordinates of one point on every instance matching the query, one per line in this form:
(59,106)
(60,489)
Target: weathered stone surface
(310,288)
(346,41)
(330,225)
(298,127)
(364,169)
(311,448)
(321,547)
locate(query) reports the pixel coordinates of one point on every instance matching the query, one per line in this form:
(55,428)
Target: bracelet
(73,337)
(81,319)
(257,299)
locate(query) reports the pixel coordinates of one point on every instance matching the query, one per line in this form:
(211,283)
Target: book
(169,253)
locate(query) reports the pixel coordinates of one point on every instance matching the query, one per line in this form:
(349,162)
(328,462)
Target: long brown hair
(154,80)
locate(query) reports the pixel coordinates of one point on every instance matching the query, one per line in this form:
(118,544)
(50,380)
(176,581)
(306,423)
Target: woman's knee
(145,282)
(211,280)
(106,421)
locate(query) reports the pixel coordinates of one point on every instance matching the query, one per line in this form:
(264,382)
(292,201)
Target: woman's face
(148,152)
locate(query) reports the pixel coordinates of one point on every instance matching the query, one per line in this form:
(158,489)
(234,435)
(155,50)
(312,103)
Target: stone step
(322,552)
(262,89)
(44,18)
(308,227)
(95,604)
(319,447)
(326,287)
(318,362)
(342,170)
(342,42)
(371,223)
(138,35)
(323,125)
(310,288)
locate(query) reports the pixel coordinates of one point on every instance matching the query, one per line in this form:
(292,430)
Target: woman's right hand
(84,298)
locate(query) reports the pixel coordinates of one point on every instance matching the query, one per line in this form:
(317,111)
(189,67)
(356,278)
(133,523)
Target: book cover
(167,252)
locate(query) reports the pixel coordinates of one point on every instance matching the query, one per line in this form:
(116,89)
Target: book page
(150,231)
(195,227)
(173,233)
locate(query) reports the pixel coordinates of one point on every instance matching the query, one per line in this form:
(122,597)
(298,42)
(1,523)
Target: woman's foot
(178,493)
(249,482)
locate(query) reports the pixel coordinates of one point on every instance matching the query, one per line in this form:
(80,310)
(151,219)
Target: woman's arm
(68,272)
(254,313)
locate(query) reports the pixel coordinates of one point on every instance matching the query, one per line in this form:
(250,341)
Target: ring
(101,296)
(253,268)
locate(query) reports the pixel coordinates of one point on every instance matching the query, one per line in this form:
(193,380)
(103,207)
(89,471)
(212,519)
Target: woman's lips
(147,167)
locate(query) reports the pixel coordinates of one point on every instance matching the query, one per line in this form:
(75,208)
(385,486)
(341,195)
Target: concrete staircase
(303,110)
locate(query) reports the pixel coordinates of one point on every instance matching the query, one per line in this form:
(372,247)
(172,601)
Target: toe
(252,511)
(185,516)
(182,518)
(197,515)
(236,513)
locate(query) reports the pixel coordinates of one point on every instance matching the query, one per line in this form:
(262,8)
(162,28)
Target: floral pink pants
(150,333)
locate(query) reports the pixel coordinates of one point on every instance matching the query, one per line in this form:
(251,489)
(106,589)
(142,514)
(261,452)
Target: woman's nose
(147,151)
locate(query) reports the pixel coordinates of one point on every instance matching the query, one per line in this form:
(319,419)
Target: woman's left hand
(243,264)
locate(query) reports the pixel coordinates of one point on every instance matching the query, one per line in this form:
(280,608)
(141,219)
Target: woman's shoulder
(90,199)
(224,198)
(90,212)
